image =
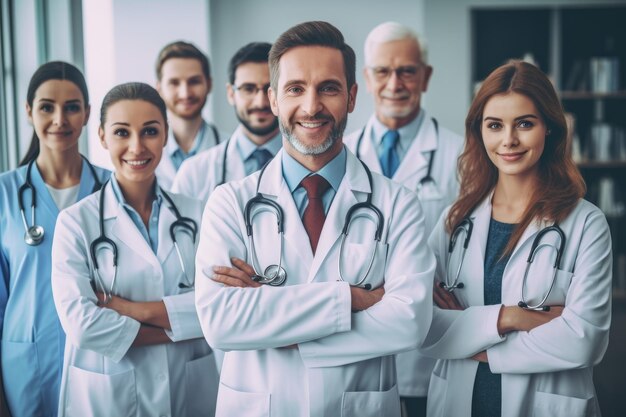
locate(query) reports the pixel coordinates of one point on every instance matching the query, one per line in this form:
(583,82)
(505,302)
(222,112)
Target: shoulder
(186,204)
(12,179)
(450,140)
(352,138)
(585,212)
(208,156)
(80,214)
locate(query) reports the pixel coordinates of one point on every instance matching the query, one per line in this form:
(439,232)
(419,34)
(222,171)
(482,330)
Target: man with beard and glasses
(184,82)
(255,141)
(317,343)
(404,143)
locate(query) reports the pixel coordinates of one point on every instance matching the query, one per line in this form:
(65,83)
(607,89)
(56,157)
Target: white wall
(122,40)
(237,22)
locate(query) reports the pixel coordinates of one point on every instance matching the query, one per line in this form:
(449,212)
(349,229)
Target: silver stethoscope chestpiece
(34,235)
(276,274)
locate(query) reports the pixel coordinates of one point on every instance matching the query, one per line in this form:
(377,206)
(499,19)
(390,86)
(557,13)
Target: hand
(239,275)
(363,299)
(481,357)
(118,304)
(514,318)
(445,299)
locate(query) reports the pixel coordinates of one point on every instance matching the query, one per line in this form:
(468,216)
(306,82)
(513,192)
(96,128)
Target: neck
(395,123)
(313,162)
(512,196)
(185,130)
(60,169)
(139,195)
(258,139)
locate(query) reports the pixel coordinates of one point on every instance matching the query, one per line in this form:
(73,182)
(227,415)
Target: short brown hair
(180,49)
(316,33)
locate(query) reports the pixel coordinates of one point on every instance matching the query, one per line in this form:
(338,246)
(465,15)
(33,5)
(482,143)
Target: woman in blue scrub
(52,176)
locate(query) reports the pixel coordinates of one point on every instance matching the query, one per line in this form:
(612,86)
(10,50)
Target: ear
(102,141)
(428,72)
(369,82)
(352,97)
(230,94)
(87,114)
(273,101)
(29,112)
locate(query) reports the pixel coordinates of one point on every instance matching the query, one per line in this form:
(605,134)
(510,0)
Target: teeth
(137,163)
(311,125)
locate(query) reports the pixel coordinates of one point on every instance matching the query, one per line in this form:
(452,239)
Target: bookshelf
(583,50)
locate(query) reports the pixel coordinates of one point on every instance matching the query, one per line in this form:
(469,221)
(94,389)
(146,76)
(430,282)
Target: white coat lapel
(273,186)
(418,155)
(166,219)
(366,151)
(235,168)
(123,228)
(475,256)
(354,182)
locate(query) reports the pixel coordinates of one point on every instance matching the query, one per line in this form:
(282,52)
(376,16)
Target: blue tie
(389,160)
(261,156)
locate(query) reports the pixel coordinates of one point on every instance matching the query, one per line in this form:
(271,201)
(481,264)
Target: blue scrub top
(32,338)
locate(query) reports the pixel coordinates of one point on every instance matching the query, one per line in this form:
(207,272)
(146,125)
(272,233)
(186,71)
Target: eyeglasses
(250,90)
(405,73)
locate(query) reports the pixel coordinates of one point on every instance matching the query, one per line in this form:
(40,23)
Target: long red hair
(562,186)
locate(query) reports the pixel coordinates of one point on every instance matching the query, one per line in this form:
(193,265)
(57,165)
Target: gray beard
(335,134)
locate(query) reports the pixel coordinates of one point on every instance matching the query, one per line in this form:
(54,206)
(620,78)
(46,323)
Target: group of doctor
(302,254)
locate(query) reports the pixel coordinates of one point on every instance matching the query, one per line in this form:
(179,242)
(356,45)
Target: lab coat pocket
(356,260)
(371,403)
(20,366)
(550,405)
(231,402)
(94,394)
(201,382)
(437,391)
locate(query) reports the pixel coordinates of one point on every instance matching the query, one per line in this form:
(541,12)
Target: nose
(394,83)
(261,99)
(510,138)
(135,144)
(183,90)
(311,103)
(59,117)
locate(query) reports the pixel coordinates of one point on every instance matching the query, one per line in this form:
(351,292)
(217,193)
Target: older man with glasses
(409,146)
(255,141)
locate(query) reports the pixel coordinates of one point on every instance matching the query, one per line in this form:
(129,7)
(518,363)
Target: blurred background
(580,44)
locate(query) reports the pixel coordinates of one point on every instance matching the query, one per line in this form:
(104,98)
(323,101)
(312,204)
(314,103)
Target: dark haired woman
(519,338)
(123,280)
(52,176)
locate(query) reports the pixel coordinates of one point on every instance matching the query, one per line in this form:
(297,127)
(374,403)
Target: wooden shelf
(601,164)
(588,95)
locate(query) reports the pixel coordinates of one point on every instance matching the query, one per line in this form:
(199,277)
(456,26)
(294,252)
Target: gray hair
(393,31)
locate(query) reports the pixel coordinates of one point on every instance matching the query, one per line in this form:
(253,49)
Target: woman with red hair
(523,289)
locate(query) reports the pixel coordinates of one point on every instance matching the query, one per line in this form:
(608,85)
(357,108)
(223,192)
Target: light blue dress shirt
(151,234)
(407,135)
(177,155)
(294,173)
(246,147)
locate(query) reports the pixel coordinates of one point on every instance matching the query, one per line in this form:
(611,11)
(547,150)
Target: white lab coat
(199,175)
(547,371)
(414,369)
(103,375)
(344,364)
(166,171)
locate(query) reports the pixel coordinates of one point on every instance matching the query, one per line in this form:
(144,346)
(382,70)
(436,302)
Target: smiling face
(312,101)
(514,134)
(397,77)
(184,87)
(134,134)
(58,115)
(249,97)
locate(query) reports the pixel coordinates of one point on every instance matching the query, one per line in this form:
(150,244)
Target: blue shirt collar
(172,147)
(407,133)
(333,171)
(117,191)
(246,146)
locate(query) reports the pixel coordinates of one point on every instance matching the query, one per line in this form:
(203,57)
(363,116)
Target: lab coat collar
(123,228)
(418,155)
(166,219)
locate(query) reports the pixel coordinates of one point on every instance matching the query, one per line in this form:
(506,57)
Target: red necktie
(314,216)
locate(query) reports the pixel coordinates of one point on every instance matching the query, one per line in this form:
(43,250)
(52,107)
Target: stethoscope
(466,226)
(186,224)
(33,235)
(275,274)
(426,179)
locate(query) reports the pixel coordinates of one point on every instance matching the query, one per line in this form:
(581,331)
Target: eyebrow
(128,124)
(324,82)
(526,116)
(49,100)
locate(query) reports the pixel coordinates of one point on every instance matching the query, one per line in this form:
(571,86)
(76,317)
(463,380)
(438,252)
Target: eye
(407,72)
(150,131)
(294,90)
(248,89)
(194,81)
(494,125)
(121,132)
(173,82)
(525,124)
(46,108)
(73,108)
(381,72)
(330,89)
